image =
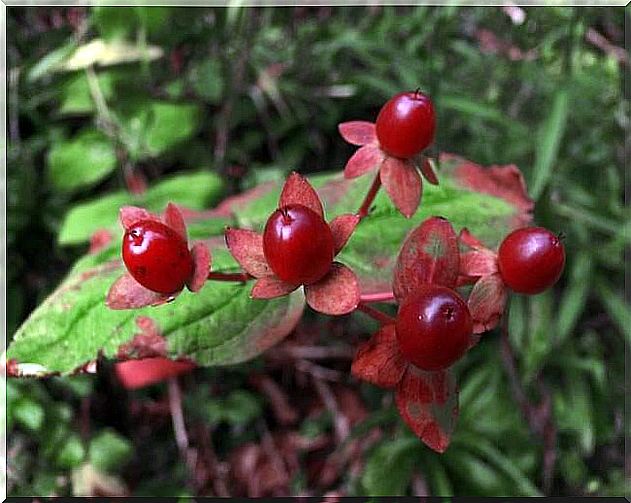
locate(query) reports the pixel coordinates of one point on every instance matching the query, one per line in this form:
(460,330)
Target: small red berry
(298,244)
(531,260)
(157,257)
(405,124)
(433,327)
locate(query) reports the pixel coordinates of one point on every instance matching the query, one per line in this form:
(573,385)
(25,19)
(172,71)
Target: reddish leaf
(426,165)
(342,228)
(470,240)
(428,403)
(337,293)
(247,248)
(486,303)
(99,240)
(297,190)
(358,132)
(379,360)
(365,159)
(174,219)
(127,293)
(506,182)
(134,374)
(271,287)
(402,183)
(129,215)
(478,263)
(148,343)
(428,255)
(201,267)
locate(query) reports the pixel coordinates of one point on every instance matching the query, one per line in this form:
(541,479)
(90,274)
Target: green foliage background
(243,95)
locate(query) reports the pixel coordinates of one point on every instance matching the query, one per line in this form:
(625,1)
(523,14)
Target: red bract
(532,261)
(297,249)
(156,253)
(427,400)
(388,150)
(134,374)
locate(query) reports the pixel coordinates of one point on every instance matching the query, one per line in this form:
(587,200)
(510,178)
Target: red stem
(229,276)
(367,298)
(379,316)
(370,197)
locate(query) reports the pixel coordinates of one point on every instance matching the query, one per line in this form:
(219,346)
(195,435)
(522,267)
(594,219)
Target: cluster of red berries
(435,326)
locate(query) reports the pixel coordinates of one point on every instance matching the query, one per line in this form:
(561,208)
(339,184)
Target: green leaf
(617,308)
(81,161)
(207,80)
(464,105)
(75,94)
(71,452)
(486,450)
(109,451)
(239,408)
(540,335)
(51,62)
(549,139)
(151,128)
(114,22)
(574,297)
(220,325)
(27,413)
(194,190)
(389,467)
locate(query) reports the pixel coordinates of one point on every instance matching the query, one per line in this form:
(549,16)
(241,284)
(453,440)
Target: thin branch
(539,416)
(228,276)
(340,421)
(367,298)
(364,209)
(179,427)
(377,315)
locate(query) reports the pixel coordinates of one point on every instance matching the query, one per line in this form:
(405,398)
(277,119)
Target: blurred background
(107,101)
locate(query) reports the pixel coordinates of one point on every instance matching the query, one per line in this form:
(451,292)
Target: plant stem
(370,197)
(367,298)
(377,315)
(538,415)
(229,276)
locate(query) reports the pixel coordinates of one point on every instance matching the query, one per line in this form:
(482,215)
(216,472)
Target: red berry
(406,124)
(157,256)
(433,327)
(531,260)
(298,244)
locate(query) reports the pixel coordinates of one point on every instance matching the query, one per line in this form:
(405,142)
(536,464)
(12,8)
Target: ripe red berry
(531,260)
(406,124)
(433,327)
(157,257)
(298,244)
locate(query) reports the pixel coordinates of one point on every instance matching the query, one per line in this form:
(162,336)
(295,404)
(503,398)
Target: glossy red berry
(433,327)
(157,257)
(531,260)
(406,124)
(298,244)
